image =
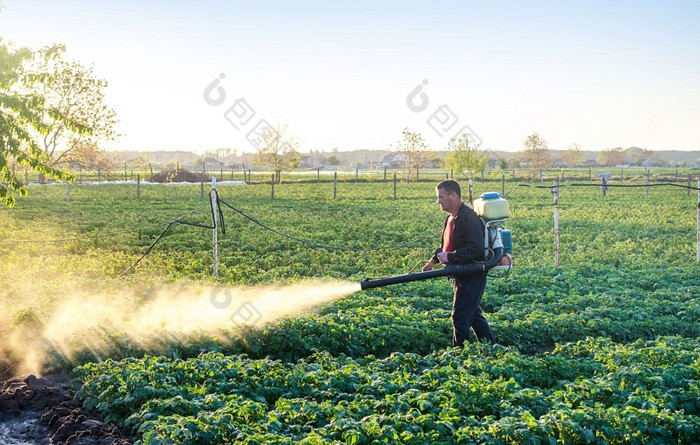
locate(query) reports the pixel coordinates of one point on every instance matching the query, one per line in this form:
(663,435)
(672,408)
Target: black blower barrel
(455,270)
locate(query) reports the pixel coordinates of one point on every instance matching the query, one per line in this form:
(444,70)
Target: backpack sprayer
(493,210)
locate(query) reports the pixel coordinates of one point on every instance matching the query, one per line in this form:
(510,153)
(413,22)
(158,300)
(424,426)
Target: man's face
(446,200)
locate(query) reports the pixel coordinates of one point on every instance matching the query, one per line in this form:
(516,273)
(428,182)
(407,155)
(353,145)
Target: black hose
(453,270)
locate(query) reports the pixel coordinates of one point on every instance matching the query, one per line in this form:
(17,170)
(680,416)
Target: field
(603,348)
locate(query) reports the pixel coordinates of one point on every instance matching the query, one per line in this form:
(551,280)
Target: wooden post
(99,173)
(318,175)
(482,176)
(215,223)
(138,186)
(622,175)
(676,180)
(335,184)
(647,187)
(688,189)
(357,174)
(503,185)
(417,173)
(590,174)
(67,191)
(447,175)
(231,173)
(384,174)
(555,195)
(394,186)
(603,185)
(471,192)
(201,188)
(126,173)
(249,178)
(452,173)
(272,183)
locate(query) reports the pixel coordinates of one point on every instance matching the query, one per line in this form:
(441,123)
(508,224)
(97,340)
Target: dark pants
(466,313)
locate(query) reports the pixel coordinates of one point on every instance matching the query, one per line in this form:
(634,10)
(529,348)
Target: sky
(203,75)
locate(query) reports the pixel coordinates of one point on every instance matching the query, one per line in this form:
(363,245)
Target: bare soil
(40,410)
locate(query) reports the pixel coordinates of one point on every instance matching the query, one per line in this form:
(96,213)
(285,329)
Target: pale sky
(341,74)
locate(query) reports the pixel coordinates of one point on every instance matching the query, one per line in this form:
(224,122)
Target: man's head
(449,195)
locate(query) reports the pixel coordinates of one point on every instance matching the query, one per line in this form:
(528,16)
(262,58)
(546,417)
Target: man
(462,242)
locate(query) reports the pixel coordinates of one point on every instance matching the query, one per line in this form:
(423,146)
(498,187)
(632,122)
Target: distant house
(697,163)
(395,160)
(493,163)
(209,162)
(560,164)
(309,162)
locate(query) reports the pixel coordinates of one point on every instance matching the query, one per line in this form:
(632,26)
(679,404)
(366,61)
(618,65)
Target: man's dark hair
(450,185)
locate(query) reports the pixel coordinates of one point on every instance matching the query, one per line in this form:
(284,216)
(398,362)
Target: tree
(463,158)
(23,115)
(536,152)
(573,155)
(78,95)
(611,157)
(416,151)
(88,155)
(276,150)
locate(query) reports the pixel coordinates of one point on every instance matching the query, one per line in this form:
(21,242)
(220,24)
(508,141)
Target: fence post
(417,173)
(384,174)
(503,185)
(335,185)
(394,186)
(471,192)
(357,174)
(126,173)
(201,188)
(603,185)
(555,195)
(67,191)
(138,186)
(452,173)
(215,223)
(482,176)
(99,173)
(590,174)
(647,187)
(272,183)
(622,175)
(318,175)
(688,189)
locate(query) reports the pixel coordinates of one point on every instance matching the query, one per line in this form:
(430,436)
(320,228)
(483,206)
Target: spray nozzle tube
(456,270)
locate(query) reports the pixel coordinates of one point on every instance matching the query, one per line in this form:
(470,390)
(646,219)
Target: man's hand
(428,266)
(442,256)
